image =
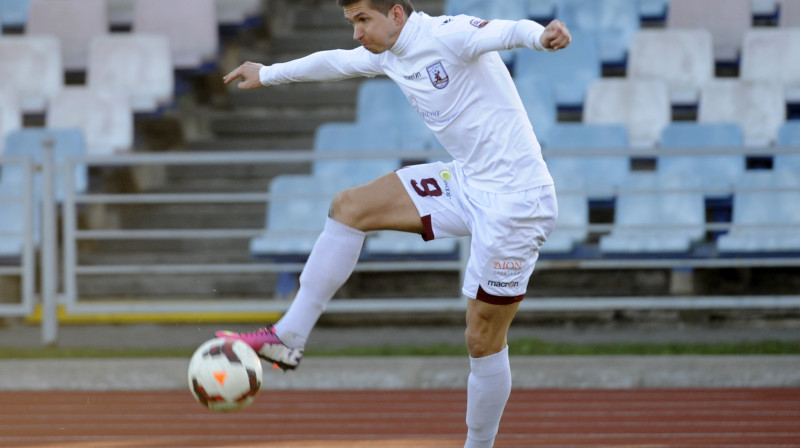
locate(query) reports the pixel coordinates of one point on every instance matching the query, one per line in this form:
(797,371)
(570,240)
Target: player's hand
(248,72)
(555,36)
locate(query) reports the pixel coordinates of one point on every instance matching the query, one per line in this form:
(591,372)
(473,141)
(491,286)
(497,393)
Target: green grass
(521,347)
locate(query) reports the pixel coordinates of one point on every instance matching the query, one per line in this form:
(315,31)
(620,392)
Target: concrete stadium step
(190,216)
(287,142)
(282,121)
(191,287)
(300,95)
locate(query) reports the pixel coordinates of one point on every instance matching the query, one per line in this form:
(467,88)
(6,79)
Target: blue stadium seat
(543,10)
(540,104)
(614,21)
(496,9)
(359,137)
(572,227)
(656,213)
(12,222)
(569,71)
(393,244)
(601,174)
(30,142)
(718,172)
(14,13)
(10,114)
(294,219)
(765,214)
(381,102)
(788,137)
(653,10)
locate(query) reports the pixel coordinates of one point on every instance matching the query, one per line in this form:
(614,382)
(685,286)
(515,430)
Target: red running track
(744,418)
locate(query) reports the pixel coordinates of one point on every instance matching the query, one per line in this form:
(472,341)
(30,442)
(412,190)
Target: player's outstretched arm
(249,74)
(555,36)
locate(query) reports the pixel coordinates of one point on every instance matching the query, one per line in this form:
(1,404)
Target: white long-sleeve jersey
(451,73)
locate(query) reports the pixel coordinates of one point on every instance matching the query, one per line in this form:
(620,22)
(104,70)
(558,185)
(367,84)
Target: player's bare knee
(481,341)
(344,208)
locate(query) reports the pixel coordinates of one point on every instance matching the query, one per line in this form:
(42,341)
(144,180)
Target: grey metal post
(49,261)
(29,249)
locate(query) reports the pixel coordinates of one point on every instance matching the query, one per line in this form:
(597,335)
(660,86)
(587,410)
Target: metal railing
(71,269)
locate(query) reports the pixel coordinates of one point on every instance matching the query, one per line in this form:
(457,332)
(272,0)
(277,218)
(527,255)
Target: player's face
(376,32)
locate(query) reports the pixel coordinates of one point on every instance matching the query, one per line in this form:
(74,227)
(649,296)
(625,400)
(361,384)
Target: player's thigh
(382,204)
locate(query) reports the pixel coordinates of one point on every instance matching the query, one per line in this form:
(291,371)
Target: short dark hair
(384,6)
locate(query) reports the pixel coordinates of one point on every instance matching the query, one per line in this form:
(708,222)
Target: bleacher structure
(671,141)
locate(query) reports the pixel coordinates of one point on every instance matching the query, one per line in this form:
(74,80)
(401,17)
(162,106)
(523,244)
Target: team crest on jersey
(478,23)
(438,76)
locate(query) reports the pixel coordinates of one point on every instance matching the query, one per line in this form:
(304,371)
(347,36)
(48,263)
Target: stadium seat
(137,64)
(12,221)
(788,137)
(758,107)
(726,20)
(296,214)
(540,104)
(104,117)
(120,13)
(790,14)
(381,102)
(542,9)
(496,9)
(31,142)
(10,114)
(642,106)
(656,213)
(14,13)
(765,214)
(238,12)
(765,8)
(391,244)
(190,25)
(569,71)
(74,22)
(614,21)
(773,55)
(349,137)
(32,68)
(601,174)
(655,10)
(718,173)
(572,227)
(682,58)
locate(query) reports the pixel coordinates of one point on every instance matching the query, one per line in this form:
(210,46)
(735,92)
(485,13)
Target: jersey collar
(407,35)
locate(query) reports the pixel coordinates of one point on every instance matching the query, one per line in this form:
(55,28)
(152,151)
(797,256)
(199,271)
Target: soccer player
(497,189)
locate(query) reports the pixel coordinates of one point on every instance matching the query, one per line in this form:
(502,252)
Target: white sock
(488,389)
(329,265)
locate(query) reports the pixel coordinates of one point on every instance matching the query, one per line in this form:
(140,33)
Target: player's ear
(397,13)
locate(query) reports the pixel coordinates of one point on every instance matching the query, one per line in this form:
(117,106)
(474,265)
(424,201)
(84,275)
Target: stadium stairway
(219,119)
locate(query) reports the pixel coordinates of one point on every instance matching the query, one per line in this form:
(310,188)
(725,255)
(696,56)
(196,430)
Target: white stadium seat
(31,67)
(139,65)
(74,22)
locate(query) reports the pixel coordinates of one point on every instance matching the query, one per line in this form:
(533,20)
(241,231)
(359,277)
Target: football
(225,374)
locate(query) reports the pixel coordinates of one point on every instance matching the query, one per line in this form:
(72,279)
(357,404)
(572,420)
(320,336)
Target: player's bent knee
(345,209)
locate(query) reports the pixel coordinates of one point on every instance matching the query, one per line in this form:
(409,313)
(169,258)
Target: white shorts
(507,229)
